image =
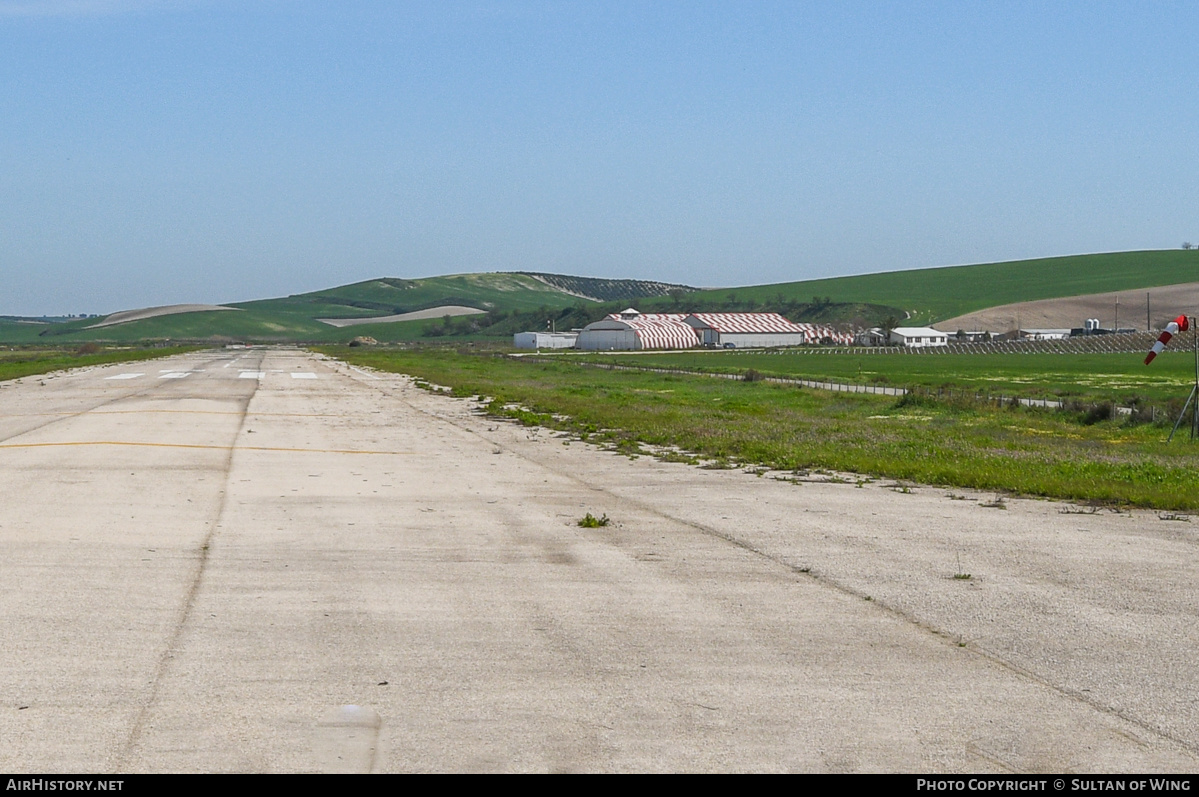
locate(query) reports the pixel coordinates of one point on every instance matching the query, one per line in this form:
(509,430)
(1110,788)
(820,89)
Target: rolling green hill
(516,301)
(930,294)
(12,331)
(394,296)
(505,299)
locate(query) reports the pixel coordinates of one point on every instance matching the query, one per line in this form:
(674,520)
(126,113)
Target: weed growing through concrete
(590,521)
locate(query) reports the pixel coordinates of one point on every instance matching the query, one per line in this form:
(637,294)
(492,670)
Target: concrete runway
(268,561)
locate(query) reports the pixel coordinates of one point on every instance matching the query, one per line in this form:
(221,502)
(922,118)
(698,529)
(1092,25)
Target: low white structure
(1044,334)
(544,340)
(918,337)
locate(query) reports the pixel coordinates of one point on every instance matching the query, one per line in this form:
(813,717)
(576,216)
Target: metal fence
(938,393)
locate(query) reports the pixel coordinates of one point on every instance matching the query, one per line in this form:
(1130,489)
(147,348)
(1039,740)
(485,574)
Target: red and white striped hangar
(754,330)
(633,331)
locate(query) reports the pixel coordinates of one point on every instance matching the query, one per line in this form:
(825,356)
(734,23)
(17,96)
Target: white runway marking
(303,375)
(173,375)
(124,376)
(251,375)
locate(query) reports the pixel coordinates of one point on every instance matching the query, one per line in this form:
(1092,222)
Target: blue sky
(163,152)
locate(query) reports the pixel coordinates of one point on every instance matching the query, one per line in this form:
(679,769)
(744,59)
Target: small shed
(871,337)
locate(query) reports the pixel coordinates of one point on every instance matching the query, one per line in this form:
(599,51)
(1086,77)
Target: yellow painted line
(204,447)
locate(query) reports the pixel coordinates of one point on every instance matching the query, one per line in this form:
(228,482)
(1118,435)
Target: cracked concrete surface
(346,573)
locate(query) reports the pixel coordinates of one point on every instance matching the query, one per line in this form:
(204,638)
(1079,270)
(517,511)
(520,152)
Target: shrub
(1103,411)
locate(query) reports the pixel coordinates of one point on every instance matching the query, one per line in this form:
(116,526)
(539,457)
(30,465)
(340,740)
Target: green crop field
(931,294)
(1122,378)
(1028,451)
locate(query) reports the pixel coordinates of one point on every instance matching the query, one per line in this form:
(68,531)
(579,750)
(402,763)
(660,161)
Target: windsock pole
(1181,324)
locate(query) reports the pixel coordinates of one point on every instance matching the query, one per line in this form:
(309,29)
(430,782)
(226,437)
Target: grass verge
(1121,378)
(1002,449)
(30,362)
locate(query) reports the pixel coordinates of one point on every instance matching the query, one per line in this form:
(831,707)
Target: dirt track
(201,566)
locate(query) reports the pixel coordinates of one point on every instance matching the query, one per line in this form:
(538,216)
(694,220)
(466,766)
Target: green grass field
(1099,377)
(930,294)
(1019,450)
(30,362)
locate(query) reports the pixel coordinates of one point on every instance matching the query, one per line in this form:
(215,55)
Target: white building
(1044,334)
(544,340)
(918,337)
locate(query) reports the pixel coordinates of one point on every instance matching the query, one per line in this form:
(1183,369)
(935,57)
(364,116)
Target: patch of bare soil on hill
(1164,303)
(416,315)
(125,316)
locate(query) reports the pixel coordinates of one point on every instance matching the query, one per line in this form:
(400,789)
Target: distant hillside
(13,330)
(1145,308)
(390,296)
(930,294)
(608,290)
(506,299)
(513,302)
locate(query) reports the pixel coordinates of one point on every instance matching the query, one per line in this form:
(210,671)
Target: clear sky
(166,151)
